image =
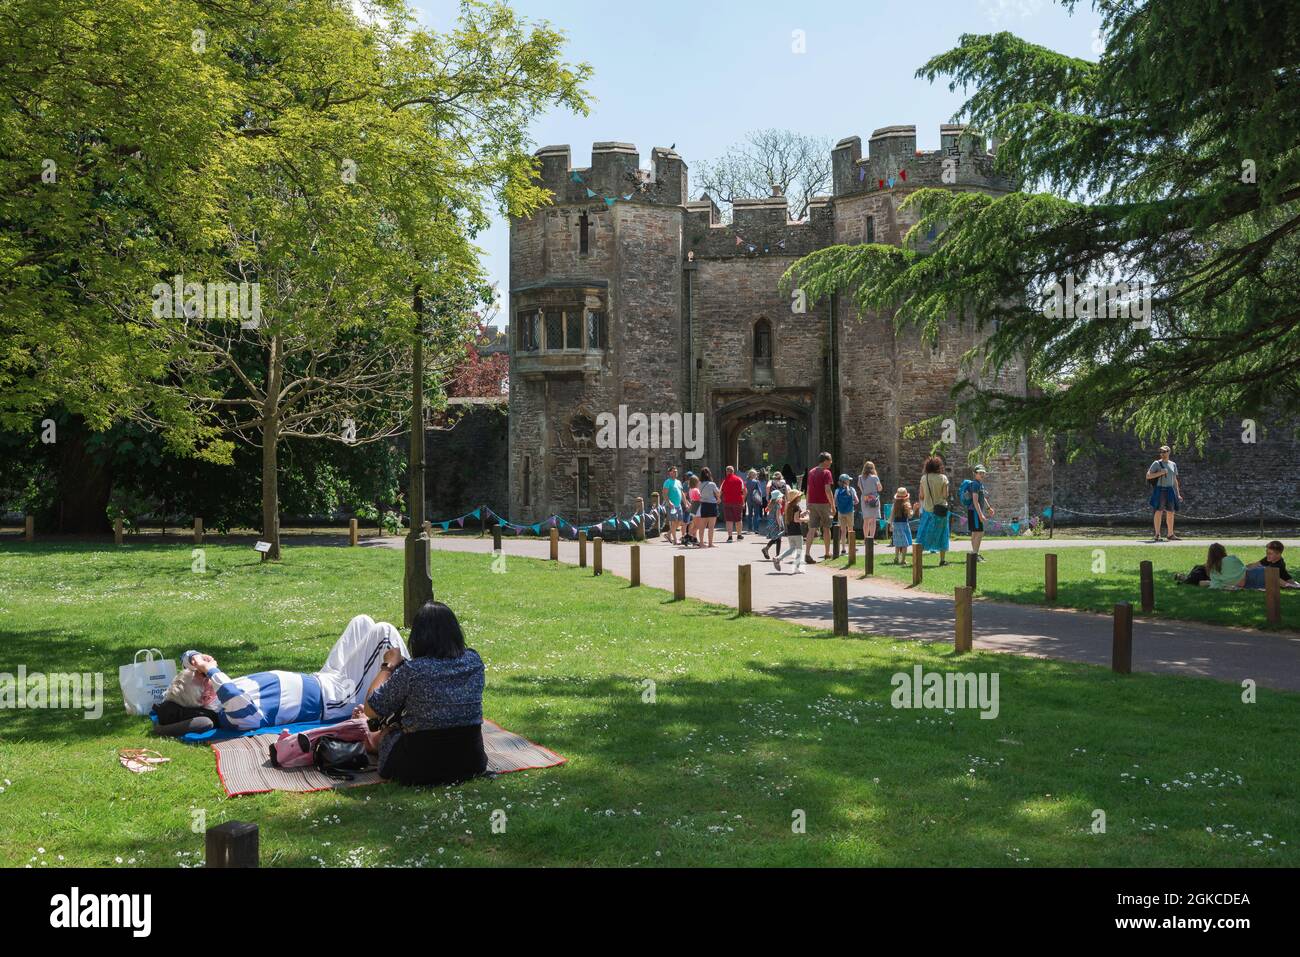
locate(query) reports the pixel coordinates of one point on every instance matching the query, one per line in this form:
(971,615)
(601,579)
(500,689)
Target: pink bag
(295,750)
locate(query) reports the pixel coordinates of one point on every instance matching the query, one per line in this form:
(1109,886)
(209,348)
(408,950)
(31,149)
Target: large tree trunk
(270,444)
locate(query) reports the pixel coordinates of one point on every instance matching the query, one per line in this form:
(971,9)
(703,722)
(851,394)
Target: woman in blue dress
(932,533)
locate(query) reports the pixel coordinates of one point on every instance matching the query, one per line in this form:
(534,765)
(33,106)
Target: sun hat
(980,468)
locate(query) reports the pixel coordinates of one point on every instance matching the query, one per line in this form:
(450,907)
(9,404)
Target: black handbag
(336,757)
(940,508)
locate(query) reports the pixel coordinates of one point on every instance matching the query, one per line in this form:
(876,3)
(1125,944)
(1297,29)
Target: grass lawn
(1016,575)
(752,721)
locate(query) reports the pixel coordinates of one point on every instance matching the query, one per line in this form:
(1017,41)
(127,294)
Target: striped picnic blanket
(244,767)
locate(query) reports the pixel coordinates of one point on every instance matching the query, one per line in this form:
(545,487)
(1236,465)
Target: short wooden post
(869,560)
(836,531)
(29,528)
(597,565)
(636,565)
(353,531)
(232,844)
(1273,595)
(679,577)
(117,531)
(853,548)
(1049,577)
(1121,656)
(840,603)
(963,635)
(972,570)
(638,532)
(496,538)
(555,544)
(582,549)
(1148,587)
(743,582)
(198,530)
(916,563)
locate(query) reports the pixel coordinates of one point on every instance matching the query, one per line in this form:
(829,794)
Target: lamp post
(418,587)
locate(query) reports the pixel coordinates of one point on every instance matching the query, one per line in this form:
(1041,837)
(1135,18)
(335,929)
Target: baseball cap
(980,468)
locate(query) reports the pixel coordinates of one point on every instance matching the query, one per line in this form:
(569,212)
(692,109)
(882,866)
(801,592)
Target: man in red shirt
(733,502)
(818,494)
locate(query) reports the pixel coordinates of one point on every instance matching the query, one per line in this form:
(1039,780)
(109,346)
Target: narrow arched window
(763,350)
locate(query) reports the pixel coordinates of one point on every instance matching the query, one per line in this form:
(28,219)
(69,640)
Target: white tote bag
(145,682)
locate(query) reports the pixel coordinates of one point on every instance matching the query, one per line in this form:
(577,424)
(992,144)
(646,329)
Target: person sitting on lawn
(267,699)
(1229,572)
(1273,559)
(430,708)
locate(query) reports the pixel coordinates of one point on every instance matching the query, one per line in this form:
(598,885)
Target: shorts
(708,510)
(819,517)
(674,512)
(973,520)
(1163,499)
(733,512)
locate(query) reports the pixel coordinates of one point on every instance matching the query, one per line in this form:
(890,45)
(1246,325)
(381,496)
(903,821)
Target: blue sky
(702,74)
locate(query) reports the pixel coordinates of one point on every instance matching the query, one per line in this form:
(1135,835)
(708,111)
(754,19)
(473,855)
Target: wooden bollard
(1121,656)
(198,530)
(582,549)
(555,544)
(496,538)
(117,531)
(1273,595)
(963,635)
(636,565)
(1049,577)
(744,581)
(916,563)
(840,603)
(1148,587)
(972,570)
(597,566)
(233,844)
(869,560)
(638,531)
(853,548)
(29,528)
(837,531)
(679,577)
(353,531)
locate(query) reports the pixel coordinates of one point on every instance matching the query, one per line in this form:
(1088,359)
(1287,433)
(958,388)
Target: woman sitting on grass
(430,708)
(1229,572)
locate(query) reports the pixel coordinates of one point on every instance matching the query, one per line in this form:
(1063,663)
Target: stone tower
(627,295)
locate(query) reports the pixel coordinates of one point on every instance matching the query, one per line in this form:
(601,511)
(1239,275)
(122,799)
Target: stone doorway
(765,432)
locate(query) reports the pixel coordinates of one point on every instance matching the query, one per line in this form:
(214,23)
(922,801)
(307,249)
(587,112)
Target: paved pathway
(881,606)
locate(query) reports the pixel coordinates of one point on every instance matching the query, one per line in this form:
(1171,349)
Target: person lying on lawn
(1227,572)
(1273,559)
(204,696)
(429,709)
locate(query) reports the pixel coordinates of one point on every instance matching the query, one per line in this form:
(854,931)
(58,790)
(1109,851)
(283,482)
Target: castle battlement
(892,153)
(615,172)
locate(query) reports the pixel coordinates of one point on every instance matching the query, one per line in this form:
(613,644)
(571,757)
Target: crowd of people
(791,513)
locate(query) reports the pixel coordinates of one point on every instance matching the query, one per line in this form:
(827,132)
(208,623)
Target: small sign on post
(262,547)
(679,577)
(840,603)
(636,565)
(744,579)
(1121,658)
(962,638)
(1273,595)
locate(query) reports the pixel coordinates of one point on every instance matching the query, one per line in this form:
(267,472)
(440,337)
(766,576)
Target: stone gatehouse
(626,293)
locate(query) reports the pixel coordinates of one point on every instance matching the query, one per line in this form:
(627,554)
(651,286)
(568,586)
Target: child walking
(776,512)
(900,528)
(796,517)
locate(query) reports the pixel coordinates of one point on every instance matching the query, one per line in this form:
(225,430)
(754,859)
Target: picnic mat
(244,767)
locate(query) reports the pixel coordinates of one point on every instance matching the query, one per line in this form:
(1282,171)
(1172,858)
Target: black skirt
(440,757)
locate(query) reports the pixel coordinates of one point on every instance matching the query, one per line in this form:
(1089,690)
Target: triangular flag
(1047,512)
(862,173)
(891,182)
(628,196)
(881,182)
(590,193)
(461,521)
(1015,528)
(445,525)
(476,513)
(577,177)
(738,240)
(902,173)
(609,201)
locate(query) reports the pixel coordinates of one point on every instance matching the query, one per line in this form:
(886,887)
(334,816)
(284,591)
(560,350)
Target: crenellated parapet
(963,159)
(615,174)
(758,227)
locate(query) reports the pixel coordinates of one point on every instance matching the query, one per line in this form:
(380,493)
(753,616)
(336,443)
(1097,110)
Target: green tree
(1170,165)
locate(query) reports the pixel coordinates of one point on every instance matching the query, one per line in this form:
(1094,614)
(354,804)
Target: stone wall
(465,464)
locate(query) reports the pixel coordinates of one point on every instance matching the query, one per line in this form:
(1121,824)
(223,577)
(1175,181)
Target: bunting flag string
(753,247)
(592,194)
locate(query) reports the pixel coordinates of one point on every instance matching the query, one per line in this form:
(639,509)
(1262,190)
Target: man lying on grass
(1228,572)
(203,696)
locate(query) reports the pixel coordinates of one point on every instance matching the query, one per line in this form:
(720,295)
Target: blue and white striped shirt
(266,699)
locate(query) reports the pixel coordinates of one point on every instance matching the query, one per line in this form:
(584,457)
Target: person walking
(978,508)
(817,493)
(733,504)
(776,512)
(755,482)
(932,532)
(795,518)
(673,498)
(869,491)
(1166,493)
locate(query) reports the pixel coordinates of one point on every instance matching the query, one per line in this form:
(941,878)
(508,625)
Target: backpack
(965,493)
